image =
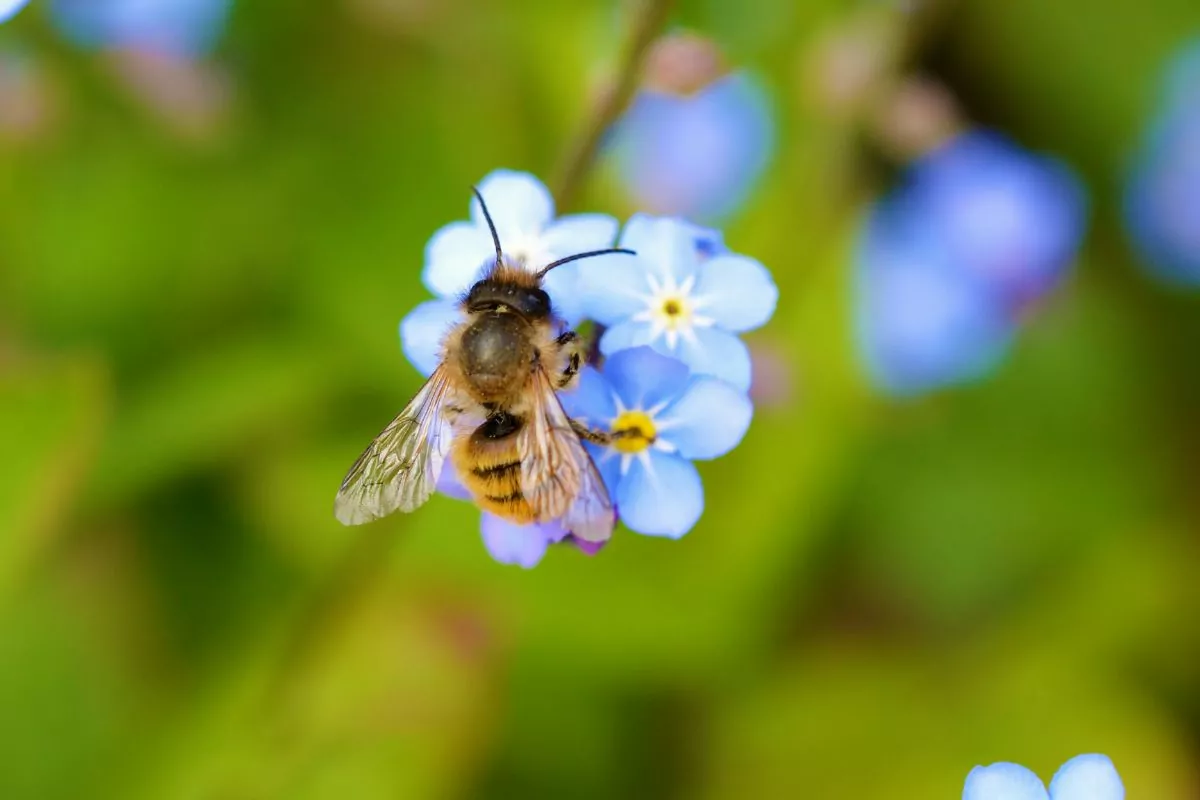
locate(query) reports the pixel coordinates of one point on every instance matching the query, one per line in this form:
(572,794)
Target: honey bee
(491,407)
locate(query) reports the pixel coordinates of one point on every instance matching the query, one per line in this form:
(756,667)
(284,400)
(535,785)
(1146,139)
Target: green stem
(649,17)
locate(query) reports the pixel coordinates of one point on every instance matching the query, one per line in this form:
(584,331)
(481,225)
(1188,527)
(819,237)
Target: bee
(491,407)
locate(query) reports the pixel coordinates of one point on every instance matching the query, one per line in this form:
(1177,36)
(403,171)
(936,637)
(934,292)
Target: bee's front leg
(570,350)
(604,438)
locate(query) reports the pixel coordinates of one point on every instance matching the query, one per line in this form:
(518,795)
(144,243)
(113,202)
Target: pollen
(672,308)
(633,432)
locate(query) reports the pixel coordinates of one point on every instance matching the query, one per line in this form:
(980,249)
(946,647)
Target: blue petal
(1087,777)
(183,28)
(614,287)
(608,462)
(624,335)
(9,8)
(660,495)
(567,301)
(421,333)
(518,202)
(455,258)
(643,378)
(708,420)
(517,544)
(1003,781)
(578,233)
(665,245)
(591,401)
(713,352)
(449,484)
(736,291)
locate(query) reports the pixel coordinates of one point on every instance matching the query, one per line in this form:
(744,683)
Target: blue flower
(1162,198)
(1014,218)
(678,300)
(456,255)
(977,230)
(677,418)
(1086,777)
(185,28)
(9,8)
(922,322)
(696,155)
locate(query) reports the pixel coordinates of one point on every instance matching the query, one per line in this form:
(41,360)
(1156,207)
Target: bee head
(498,291)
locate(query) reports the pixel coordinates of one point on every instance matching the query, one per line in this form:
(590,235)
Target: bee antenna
(491,225)
(588,254)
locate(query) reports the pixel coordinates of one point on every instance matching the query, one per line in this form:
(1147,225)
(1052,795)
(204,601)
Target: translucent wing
(558,478)
(400,469)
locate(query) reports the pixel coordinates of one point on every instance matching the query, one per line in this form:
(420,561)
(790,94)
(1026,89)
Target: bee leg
(570,346)
(604,438)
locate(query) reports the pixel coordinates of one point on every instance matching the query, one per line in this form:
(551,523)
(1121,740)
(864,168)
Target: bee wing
(558,478)
(400,469)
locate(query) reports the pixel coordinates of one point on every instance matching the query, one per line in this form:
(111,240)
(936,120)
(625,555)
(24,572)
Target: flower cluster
(1087,777)
(674,368)
(977,231)
(1162,199)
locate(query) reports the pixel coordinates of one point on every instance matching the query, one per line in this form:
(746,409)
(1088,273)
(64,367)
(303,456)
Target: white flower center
(671,309)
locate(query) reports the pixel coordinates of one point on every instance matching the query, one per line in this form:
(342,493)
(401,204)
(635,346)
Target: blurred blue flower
(1086,777)
(523,211)
(1162,197)
(676,418)
(696,155)
(9,8)
(676,300)
(922,321)
(976,231)
(184,28)
(1014,218)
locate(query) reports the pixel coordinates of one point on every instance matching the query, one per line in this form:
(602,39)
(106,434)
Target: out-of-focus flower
(523,211)
(665,419)
(9,8)
(977,230)
(1162,198)
(694,143)
(1086,777)
(671,298)
(922,321)
(27,98)
(179,28)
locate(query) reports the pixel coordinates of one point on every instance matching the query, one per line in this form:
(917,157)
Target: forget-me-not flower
(9,8)
(456,255)
(1086,777)
(976,231)
(922,322)
(678,300)
(665,419)
(1162,199)
(698,154)
(181,28)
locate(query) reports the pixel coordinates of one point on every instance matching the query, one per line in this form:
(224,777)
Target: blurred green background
(198,318)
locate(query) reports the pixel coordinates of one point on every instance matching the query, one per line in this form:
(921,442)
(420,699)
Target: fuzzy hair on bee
(491,408)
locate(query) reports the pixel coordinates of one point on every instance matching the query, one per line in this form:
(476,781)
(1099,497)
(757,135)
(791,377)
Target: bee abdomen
(491,471)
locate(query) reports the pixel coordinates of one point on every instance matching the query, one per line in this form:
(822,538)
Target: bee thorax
(496,352)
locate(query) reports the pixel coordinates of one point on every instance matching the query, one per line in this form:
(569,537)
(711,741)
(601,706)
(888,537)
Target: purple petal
(523,545)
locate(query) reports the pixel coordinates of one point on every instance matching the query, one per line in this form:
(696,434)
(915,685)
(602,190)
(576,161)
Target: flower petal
(661,495)
(625,335)
(449,484)
(1087,777)
(455,258)
(586,547)
(736,291)
(591,401)
(578,233)
(643,379)
(713,352)
(518,202)
(421,332)
(1003,781)
(9,8)
(665,244)
(614,287)
(708,419)
(517,544)
(562,284)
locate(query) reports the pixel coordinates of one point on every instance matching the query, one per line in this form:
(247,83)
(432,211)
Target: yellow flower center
(672,308)
(633,432)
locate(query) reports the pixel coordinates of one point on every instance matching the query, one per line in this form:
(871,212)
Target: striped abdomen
(490,468)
